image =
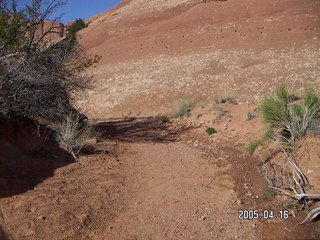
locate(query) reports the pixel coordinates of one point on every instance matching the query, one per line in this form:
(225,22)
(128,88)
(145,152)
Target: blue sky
(81,8)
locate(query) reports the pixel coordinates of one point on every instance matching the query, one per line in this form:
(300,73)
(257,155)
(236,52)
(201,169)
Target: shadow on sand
(3,235)
(26,159)
(139,130)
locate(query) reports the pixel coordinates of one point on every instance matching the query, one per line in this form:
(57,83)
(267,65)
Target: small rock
(203,218)
(29,232)
(254,225)
(41,218)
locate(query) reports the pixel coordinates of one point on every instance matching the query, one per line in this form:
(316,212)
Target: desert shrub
(183,108)
(271,207)
(253,145)
(211,130)
(294,119)
(268,194)
(77,26)
(165,120)
(73,134)
(225,99)
(220,112)
(38,79)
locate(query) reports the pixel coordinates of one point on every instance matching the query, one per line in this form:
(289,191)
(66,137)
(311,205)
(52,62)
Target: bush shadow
(150,129)
(28,156)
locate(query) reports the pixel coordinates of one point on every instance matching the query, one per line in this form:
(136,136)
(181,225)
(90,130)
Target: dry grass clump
(225,99)
(183,108)
(253,145)
(73,134)
(220,112)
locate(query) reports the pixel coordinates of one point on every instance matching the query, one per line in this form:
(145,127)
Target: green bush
(184,108)
(292,118)
(77,26)
(211,130)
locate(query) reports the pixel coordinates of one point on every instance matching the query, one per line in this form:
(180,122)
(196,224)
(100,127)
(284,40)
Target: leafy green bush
(184,108)
(292,118)
(211,130)
(78,25)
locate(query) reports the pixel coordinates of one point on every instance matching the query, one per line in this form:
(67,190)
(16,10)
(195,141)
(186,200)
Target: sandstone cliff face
(55,29)
(157,51)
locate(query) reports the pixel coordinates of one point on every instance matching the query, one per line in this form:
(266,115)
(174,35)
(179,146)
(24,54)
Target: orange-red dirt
(155,180)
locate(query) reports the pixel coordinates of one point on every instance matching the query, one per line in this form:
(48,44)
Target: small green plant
(250,116)
(73,134)
(184,108)
(253,145)
(268,194)
(271,207)
(225,98)
(211,130)
(165,120)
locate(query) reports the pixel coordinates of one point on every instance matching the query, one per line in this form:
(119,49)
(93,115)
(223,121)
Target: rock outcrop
(55,30)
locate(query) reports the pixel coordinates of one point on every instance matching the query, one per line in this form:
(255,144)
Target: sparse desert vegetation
(211,130)
(253,145)
(289,122)
(40,80)
(73,134)
(99,138)
(226,99)
(183,108)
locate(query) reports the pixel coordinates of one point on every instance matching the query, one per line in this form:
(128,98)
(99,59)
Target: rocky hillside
(157,51)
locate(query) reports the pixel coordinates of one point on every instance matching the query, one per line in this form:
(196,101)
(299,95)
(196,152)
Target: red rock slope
(157,51)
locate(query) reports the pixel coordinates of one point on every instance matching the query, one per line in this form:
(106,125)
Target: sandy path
(157,181)
(171,199)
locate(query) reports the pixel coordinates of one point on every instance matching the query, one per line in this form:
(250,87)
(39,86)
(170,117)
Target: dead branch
(311,216)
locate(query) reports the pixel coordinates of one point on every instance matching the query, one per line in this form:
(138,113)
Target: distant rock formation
(56,30)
